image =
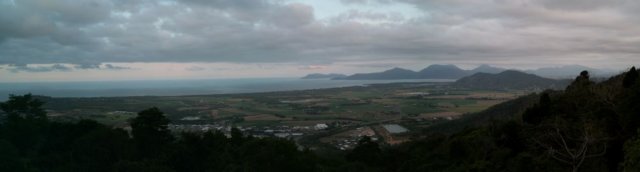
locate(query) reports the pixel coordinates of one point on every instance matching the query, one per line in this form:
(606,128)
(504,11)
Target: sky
(81,40)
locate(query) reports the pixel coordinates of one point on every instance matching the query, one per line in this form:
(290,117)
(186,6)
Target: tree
(581,82)
(367,151)
(630,78)
(26,121)
(539,111)
(236,136)
(150,131)
(9,158)
(571,144)
(24,107)
(632,155)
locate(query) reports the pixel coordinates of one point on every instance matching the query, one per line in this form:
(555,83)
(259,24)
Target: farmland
(414,105)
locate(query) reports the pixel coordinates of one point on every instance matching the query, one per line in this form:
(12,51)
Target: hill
(588,126)
(438,71)
(323,76)
(442,72)
(435,71)
(487,69)
(395,73)
(505,111)
(508,80)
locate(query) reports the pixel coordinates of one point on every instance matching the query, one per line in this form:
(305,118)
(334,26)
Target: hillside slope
(508,80)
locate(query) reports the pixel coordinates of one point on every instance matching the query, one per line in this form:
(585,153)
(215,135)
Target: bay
(181,87)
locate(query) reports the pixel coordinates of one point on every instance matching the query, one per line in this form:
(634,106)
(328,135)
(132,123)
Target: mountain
(435,71)
(323,76)
(442,72)
(509,79)
(395,73)
(487,69)
(568,70)
(438,71)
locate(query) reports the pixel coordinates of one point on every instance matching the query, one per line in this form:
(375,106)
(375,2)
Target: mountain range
(438,71)
(431,72)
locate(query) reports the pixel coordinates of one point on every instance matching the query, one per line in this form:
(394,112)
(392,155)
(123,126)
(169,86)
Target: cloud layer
(88,33)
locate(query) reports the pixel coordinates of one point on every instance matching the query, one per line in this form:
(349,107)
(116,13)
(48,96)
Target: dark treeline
(587,127)
(30,142)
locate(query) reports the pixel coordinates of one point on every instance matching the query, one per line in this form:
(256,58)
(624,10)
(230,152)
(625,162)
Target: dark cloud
(89,33)
(28,68)
(61,21)
(87,66)
(15,68)
(113,67)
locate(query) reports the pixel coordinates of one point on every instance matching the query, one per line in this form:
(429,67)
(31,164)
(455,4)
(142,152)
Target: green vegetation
(30,142)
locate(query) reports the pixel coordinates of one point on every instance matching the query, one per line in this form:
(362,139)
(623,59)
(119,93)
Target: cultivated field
(356,105)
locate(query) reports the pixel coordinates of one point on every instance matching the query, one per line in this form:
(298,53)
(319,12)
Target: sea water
(180,87)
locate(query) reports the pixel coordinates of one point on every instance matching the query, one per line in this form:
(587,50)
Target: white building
(321,126)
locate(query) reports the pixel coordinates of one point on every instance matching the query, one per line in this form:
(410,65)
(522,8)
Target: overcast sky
(62,40)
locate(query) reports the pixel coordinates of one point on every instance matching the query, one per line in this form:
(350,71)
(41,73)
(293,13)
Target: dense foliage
(587,127)
(29,142)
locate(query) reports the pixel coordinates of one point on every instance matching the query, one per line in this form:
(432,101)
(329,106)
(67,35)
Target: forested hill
(586,127)
(509,79)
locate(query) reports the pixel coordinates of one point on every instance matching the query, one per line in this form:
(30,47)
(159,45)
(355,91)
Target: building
(321,126)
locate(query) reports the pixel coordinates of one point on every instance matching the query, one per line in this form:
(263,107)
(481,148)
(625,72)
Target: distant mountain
(438,71)
(442,72)
(323,76)
(509,79)
(487,69)
(568,71)
(395,73)
(435,71)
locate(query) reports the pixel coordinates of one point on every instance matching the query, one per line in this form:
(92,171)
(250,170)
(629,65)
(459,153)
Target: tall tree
(150,131)
(26,122)
(367,151)
(25,107)
(630,77)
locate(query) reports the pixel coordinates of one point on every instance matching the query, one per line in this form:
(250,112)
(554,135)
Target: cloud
(87,66)
(114,67)
(38,68)
(313,67)
(47,68)
(532,32)
(90,66)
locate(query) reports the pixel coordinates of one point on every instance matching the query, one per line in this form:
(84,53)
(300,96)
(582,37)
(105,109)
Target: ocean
(180,87)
